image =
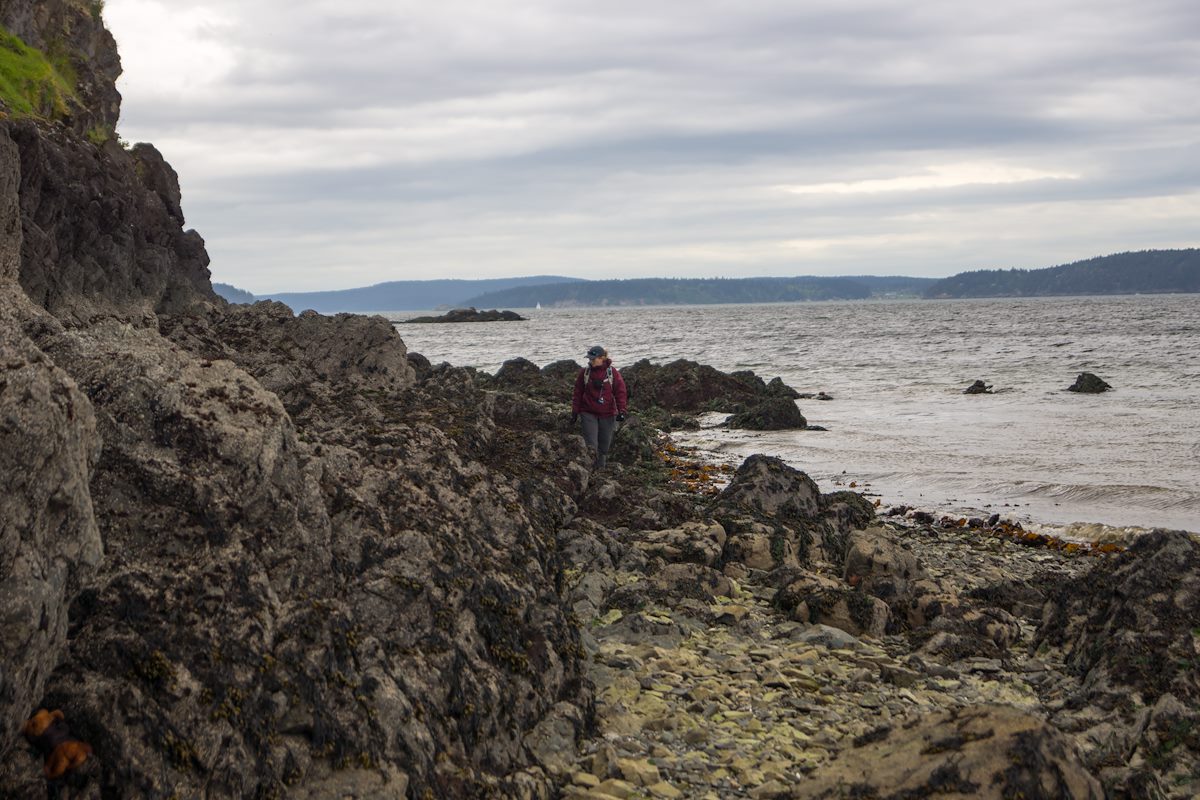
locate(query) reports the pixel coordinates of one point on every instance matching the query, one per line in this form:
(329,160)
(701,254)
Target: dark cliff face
(74,30)
(102,225)
(244,551)
(103,229)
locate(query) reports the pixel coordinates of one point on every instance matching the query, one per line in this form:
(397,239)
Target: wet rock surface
(774,414)
(1087,383)
(688,387)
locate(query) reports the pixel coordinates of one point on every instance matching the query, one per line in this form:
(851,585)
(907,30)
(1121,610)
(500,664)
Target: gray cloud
(328,144)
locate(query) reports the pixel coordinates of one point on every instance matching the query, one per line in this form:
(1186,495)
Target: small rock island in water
(471,315)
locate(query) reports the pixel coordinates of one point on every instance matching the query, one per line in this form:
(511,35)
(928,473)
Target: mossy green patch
(31,84)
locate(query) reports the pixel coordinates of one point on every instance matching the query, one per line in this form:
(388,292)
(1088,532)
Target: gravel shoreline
(732,695)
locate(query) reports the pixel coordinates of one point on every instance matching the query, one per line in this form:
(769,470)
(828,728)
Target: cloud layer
(332,144)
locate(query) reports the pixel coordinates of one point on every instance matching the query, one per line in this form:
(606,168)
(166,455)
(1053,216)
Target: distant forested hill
(674,291)
(232,293)
(402,295)
(893,285)
(1143,272)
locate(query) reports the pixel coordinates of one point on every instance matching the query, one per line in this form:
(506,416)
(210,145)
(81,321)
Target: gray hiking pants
(598,433)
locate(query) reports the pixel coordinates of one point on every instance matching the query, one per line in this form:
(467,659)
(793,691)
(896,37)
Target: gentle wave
(1130,457)
(1160,497)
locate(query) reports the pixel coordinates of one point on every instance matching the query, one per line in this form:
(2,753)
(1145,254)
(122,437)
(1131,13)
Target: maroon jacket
(597,395)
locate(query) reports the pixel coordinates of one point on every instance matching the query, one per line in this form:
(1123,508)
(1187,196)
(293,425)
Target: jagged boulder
(298,356)
(1130,624)
(563,371)
(982,751)
(773,414)
(518,373)
(978,387)
(876,563)
(757,545)
(767,485)
(1087,383)
(854,612)
(688,386)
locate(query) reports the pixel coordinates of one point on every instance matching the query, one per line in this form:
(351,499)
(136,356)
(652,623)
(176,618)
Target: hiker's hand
(621,417)
(574,418)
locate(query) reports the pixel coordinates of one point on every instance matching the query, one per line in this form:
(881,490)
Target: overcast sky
(335,143)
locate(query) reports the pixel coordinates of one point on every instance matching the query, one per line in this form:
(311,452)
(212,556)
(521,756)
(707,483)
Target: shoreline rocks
(773,414)
(252,553)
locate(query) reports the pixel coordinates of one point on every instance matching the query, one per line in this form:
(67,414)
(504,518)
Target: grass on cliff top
(32,84)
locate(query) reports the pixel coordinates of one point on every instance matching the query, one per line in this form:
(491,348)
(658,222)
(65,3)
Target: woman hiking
(600,402)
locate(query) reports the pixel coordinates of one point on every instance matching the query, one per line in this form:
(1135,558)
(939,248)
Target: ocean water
(899,426)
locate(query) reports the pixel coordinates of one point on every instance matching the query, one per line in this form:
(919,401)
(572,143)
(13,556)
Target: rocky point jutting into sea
(250,553)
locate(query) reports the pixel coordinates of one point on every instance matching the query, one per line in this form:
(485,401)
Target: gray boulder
(766,485)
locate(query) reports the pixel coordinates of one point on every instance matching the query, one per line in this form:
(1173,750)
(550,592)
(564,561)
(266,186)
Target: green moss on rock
(31,84)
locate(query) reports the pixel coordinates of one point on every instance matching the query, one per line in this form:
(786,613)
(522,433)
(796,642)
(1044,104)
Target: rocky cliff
(72,34)
(245,551)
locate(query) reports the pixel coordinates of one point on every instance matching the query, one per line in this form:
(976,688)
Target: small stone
(638,772)
(615,788)
(585,779)
(665,790)
(770,790)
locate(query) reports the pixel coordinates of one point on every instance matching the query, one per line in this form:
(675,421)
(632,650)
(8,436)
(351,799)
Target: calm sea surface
(899,425)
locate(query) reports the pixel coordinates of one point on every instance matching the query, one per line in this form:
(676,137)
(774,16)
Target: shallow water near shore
(899,426)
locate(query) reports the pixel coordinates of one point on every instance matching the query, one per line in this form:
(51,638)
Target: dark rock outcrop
(985,752)
(1130,625)
(102,230)
(471,315)
(691,387)
(766,485)
(978,387)
(1087,383)
(49,543)
(372,598)
(774,414)
(295,355)
(320,577)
